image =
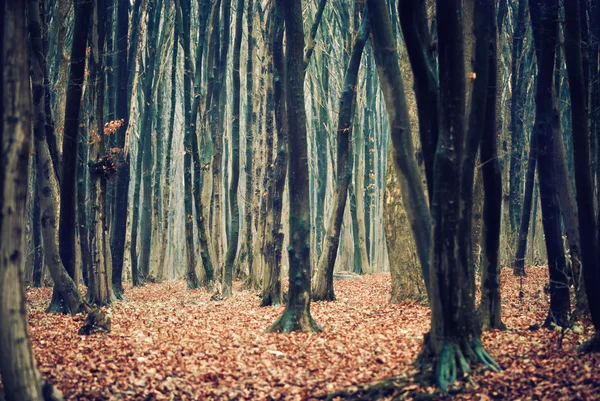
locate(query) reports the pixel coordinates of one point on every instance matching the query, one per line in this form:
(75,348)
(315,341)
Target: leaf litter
(168,343)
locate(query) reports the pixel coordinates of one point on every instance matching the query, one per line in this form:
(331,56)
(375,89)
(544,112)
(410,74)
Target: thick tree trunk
(323,290)
(544,17)
(296,315)
(20,377)
(583,180)
(453,343)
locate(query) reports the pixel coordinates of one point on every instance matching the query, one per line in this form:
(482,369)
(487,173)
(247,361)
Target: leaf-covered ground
(171,344)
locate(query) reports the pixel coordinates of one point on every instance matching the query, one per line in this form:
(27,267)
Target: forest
(299,200)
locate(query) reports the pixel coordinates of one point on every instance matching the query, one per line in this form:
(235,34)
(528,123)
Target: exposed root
(591,345)
(454,361)
(294,320)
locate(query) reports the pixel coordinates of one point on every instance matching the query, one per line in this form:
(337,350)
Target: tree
(20,377)
(296,315)
(544,18)
(100,290)
(583,177)
(119,223)
(67,222)
(66,297)
(323,290)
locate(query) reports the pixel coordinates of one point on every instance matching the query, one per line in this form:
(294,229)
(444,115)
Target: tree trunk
(67,219)
(386,58)
(453,343)
(583,180)
(271,285)
(232,242)
(66,297)
(119,223)
(544,17)
(519,263)
(191,276)
(20,377)
(100,290)
(490,307)
(323,290)
(517,115)
(296,315)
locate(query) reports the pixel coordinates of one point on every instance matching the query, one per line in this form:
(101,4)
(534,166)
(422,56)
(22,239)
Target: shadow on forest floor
(171,344)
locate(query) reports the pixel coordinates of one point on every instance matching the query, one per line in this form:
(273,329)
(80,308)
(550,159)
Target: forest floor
(171,344)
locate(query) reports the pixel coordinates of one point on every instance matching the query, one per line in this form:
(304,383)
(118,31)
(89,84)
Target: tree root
(453,361)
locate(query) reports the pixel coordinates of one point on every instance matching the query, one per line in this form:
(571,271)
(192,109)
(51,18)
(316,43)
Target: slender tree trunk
(171,129)
(100,290)
(490,307)
(67,222)
(271,293)
(386,58)
(119,223)
(247,243)
(191,276)
(232,242)
(66,296)
(519,263)
(324,281)
(296,315)
(544,17)
(517,115)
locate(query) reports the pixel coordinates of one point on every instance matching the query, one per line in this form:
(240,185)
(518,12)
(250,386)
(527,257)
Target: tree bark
(271,286)
(100,290)
(296,316)
(453,343)
(119,223)
(67,219)
(20,377)
(490,307)
(544,17)
(583,180)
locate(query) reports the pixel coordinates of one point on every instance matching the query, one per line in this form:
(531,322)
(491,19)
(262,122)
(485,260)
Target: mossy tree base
(454,361)
(294,320)
(119,293)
